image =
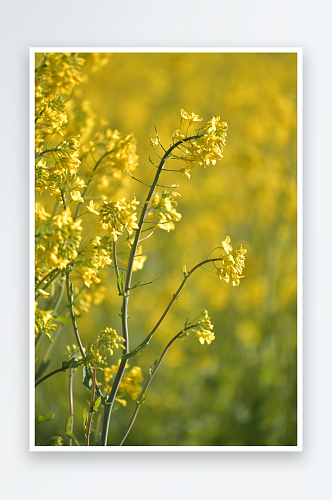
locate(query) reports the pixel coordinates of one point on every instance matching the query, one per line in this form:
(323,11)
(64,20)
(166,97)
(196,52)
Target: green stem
(73,319)
(88,426)
(175,296)
(44,152)
(125,335)
(148,382)
(71,405)
(50,375)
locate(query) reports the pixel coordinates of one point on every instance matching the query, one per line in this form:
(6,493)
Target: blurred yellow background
(241,389)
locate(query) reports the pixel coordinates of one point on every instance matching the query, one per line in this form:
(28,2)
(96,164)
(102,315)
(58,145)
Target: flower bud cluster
(43,322)
(109,340)
(204,329)
(60,72)
(93,257)
(207,144)
(117,216)
(58,247)
(54,174)
(164,206)
(233,263)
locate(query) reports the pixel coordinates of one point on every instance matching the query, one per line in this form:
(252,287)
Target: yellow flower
(139,260)
(76,196)
(43,293)
(233,263)
(193,118)
(202,328)
(116,216)
(40,212)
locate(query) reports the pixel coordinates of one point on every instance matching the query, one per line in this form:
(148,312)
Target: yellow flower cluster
(118,153)
(43,322)
(109,340)
(206,147)
(204,330)
(163,206)
(40,213)
(96,59)
(233,263)
(58,247)
(60,72)
(117,216)
(65,159)
(130,380)
(51,116)
(93,257)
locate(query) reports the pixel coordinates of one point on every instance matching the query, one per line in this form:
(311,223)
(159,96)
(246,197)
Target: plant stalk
(121,369)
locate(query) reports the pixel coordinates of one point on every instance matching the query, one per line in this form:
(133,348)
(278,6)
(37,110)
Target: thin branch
(174,298)
(148,382)
(50,375)
(116,267)
(149,282)
(71,405)
(93,390)
(73,319)
(125,333)
(44,152)
(146,237)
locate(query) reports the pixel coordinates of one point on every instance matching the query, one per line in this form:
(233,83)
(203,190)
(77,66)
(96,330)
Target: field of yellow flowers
(241,389)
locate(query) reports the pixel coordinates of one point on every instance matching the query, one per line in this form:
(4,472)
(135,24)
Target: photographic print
(164,247)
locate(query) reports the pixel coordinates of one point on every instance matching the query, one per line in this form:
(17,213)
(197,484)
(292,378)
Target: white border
(299,446)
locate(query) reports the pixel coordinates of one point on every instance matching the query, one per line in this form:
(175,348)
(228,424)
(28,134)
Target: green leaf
(143,398)
(135,286)
(138,349)
(184,270)
(152,368)
(44,418)
(97,403)
(72,362)
(68,431)
(87,379)
(63,319)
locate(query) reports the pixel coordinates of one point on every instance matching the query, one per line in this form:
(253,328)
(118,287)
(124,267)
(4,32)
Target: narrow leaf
(97,403)
(87,379)
(144,397)
(138,350)
(152,368)
(69,432)
(44,418)
(63,319)
(135,286)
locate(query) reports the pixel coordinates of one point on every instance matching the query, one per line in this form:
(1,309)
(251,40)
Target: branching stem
(148,382)
(88,425)
(125,334)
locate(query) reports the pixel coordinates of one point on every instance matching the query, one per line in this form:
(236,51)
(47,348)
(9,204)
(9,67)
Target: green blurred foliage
(241,389)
